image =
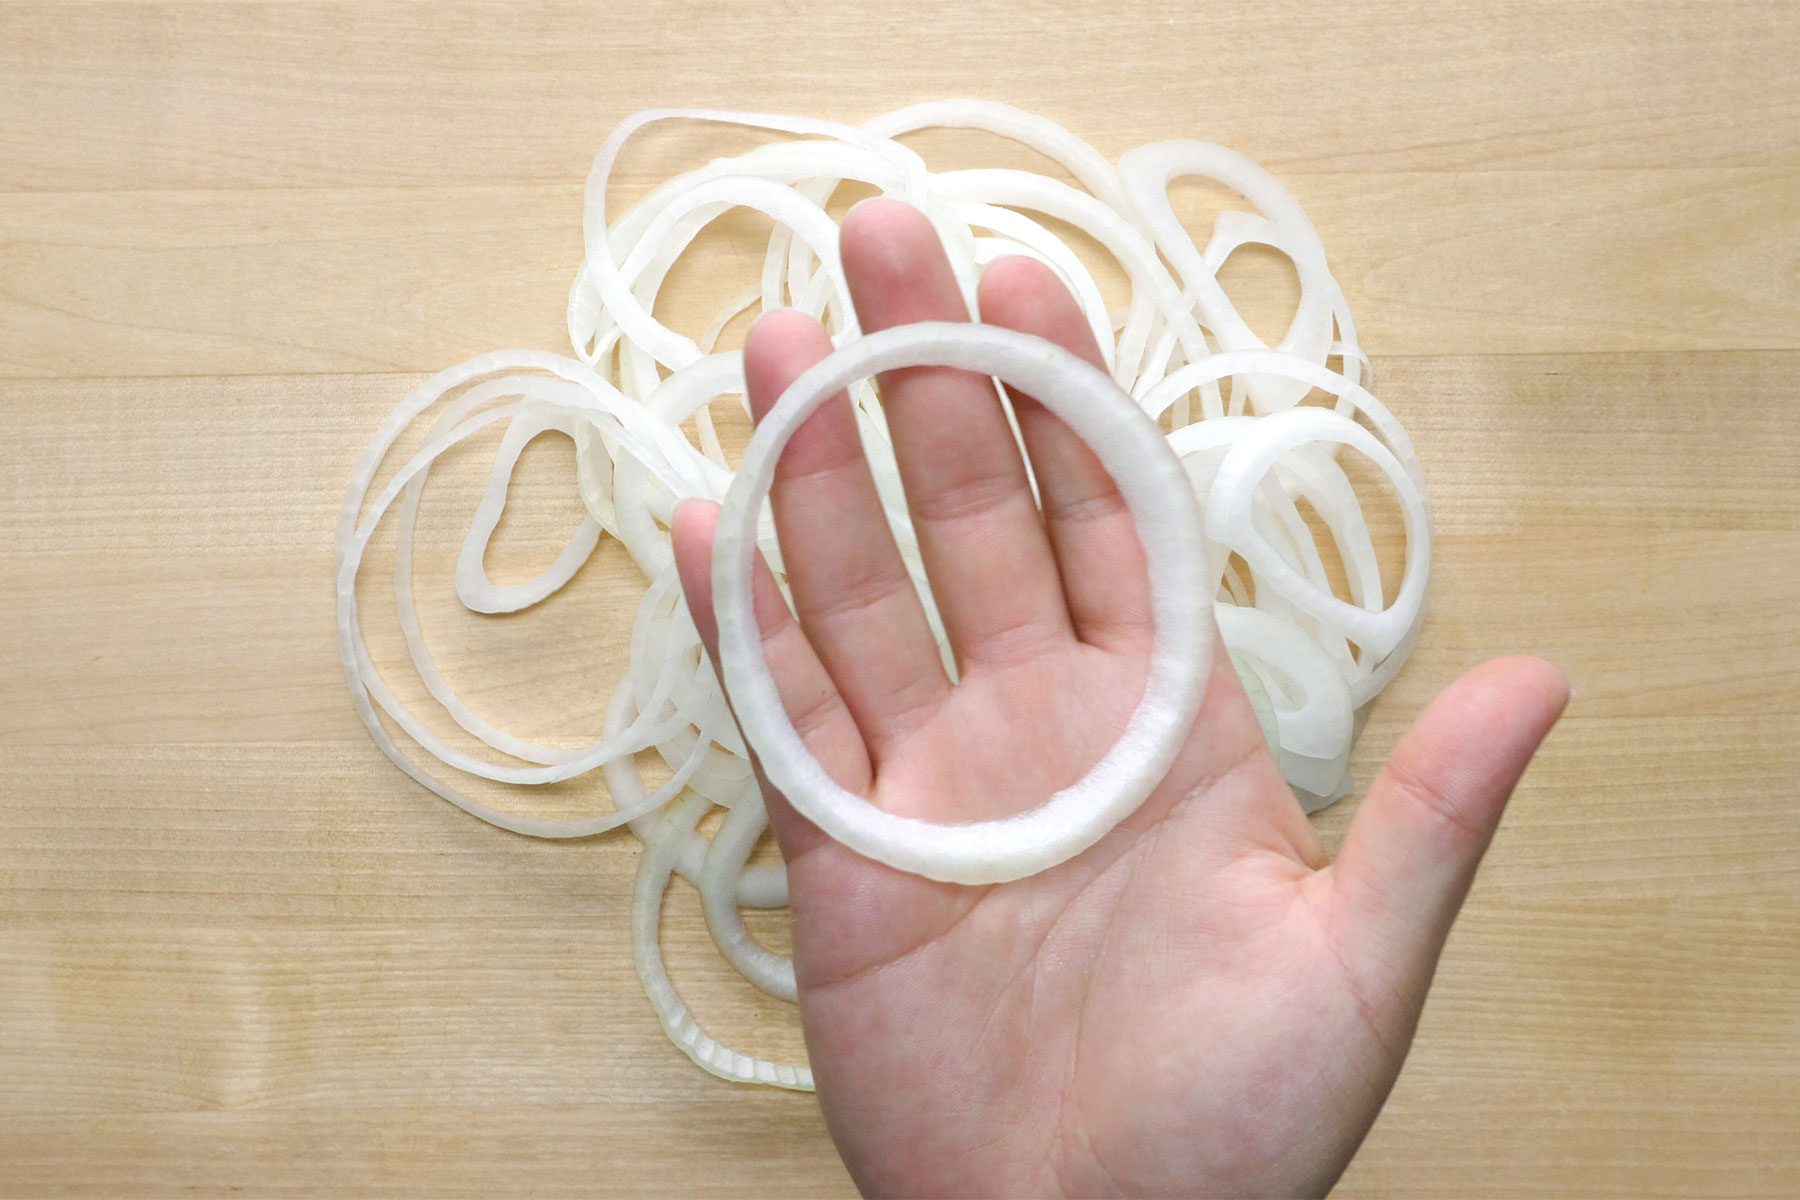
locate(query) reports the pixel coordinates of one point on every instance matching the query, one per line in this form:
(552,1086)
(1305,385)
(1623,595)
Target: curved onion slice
(1149,478)
(653,875)
(1229,521)
(474,588)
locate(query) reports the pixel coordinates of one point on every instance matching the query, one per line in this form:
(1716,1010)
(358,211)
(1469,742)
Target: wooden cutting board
(240,952)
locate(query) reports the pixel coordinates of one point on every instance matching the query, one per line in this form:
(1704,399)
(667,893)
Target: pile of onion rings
(1240,423)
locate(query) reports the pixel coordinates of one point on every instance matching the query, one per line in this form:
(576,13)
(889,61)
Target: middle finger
(992,571)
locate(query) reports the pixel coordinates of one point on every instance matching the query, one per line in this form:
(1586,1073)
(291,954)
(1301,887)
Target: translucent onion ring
(655,868)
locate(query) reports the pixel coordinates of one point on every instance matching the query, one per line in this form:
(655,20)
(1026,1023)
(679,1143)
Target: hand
(1200,1004)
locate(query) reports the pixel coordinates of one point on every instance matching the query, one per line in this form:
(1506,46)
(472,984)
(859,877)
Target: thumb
(1412,850)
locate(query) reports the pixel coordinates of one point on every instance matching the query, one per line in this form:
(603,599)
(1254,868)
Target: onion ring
(1149,478)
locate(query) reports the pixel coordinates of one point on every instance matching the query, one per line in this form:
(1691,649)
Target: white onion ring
(1228,521)
(474,588)
(1149,479)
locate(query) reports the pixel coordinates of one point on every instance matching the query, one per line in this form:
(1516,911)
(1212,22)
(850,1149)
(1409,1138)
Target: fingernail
(866,200)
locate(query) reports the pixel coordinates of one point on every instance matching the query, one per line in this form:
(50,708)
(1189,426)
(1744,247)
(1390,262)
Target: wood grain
(239,952)
(252,95)
(326,280)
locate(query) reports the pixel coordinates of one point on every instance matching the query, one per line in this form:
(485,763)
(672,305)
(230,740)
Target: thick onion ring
(1155,491)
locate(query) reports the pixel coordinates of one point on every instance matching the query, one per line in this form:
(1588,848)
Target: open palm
(1198,1004)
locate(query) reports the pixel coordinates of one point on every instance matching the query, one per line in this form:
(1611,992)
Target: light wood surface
(239,952)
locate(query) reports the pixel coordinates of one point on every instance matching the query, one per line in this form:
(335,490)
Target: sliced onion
(1228,520)
(1150,480)
(1310,659)
(474,588)
(654,871)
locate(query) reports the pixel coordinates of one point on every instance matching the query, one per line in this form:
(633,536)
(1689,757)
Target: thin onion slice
(654,871)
